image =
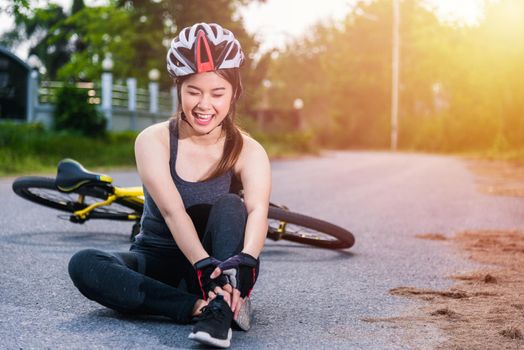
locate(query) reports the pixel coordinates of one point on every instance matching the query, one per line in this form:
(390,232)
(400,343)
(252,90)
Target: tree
(342,73)
(157,22)
(46,29)
(460,85)
(102,30)
(15,7)
(136,32)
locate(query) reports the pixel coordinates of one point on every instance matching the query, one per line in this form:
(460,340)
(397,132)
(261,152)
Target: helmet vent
(174,60)
(203,54)
(204,58)
(232,53)
(186,35)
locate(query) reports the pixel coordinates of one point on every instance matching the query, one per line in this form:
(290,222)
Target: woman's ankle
(197,308)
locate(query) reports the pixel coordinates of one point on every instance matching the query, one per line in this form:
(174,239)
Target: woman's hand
(241,272)
(231,296)
(204,268)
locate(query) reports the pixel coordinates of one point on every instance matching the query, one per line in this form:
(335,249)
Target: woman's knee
(82,265)
(230,203)
(224,235)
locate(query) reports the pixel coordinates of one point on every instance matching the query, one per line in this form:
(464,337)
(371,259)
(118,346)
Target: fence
(126,107)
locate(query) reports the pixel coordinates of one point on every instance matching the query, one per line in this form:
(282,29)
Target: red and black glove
(204,268)
(241,271)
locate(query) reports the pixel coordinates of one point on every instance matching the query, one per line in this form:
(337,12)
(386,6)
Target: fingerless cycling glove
(241,271)
(204,268)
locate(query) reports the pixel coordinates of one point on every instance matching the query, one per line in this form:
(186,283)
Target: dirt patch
(432,236)
(498,177)
(429,293)
(445,312)
(485,308)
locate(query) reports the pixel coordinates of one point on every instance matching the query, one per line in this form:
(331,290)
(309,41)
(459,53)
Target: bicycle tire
(43,191)
(308,230)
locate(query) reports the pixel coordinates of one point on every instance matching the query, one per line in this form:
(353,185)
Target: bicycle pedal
(76,219)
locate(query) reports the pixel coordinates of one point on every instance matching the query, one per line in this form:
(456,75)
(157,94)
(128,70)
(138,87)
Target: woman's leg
(121,281)
(222,238)
(221,230)
(224,233)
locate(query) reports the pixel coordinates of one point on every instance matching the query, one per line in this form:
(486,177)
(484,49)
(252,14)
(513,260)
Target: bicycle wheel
(304,229)
(42,190)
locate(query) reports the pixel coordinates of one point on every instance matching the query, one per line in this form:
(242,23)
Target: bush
(18,134)
(74,113)
(29,148)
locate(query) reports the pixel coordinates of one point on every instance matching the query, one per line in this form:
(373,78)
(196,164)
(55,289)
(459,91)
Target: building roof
(6,52)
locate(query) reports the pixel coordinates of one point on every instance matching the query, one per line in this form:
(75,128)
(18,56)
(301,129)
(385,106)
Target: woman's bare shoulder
(158,131)
(251,145)
(252,151)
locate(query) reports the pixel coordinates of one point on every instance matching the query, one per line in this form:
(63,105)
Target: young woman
(196,257)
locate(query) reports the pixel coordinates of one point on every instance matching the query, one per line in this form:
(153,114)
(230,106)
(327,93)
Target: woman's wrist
(194,258)
(250,251)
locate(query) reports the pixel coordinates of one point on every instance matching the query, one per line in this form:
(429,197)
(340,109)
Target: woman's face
(206,99)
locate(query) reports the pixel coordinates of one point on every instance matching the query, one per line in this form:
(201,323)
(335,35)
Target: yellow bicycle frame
(132,194)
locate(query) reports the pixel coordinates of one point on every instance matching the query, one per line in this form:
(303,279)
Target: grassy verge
(510,156)
(516,156)
(29,149)
(26,148)
(286,144)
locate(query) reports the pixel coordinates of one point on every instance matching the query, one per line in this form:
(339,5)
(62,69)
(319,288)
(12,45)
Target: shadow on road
(290,252)
(126,328)
(109,315)
(67,239)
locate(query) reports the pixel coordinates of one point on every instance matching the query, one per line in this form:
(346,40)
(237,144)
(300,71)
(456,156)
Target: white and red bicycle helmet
(201,48)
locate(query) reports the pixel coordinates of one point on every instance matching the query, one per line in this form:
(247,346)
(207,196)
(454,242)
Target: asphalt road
(306,298)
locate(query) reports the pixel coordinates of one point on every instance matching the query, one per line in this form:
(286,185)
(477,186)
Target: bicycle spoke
(301,231)
(307,233)
(77,201)
(63,198)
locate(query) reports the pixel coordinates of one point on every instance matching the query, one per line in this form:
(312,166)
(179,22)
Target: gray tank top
(193,194)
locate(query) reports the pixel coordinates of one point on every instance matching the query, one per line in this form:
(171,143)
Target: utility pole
(395,74)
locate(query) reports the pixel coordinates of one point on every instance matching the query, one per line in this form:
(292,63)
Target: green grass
(30,149)
(513,156)
(286,144)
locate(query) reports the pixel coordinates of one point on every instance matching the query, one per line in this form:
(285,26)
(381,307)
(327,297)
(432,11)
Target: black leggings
(147,279)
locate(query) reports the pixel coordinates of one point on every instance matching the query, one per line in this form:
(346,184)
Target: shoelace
(212,311)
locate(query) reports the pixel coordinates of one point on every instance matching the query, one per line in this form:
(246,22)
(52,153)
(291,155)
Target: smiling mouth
(203,118)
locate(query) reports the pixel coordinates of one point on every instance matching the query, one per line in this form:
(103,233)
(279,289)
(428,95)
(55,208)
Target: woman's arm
(255,173)
(152,159)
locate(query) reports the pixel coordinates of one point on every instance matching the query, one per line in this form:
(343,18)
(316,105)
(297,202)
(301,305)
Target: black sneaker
(213,326)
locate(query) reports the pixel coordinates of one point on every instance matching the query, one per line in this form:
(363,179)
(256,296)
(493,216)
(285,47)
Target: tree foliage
(459,85)
(155,23)
(102,31)
(136,33)
(74,113)
(44,27)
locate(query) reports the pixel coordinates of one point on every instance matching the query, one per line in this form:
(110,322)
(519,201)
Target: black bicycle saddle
(71,175)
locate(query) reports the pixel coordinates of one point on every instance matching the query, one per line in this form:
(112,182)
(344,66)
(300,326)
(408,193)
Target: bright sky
(277,21)
(462,11)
